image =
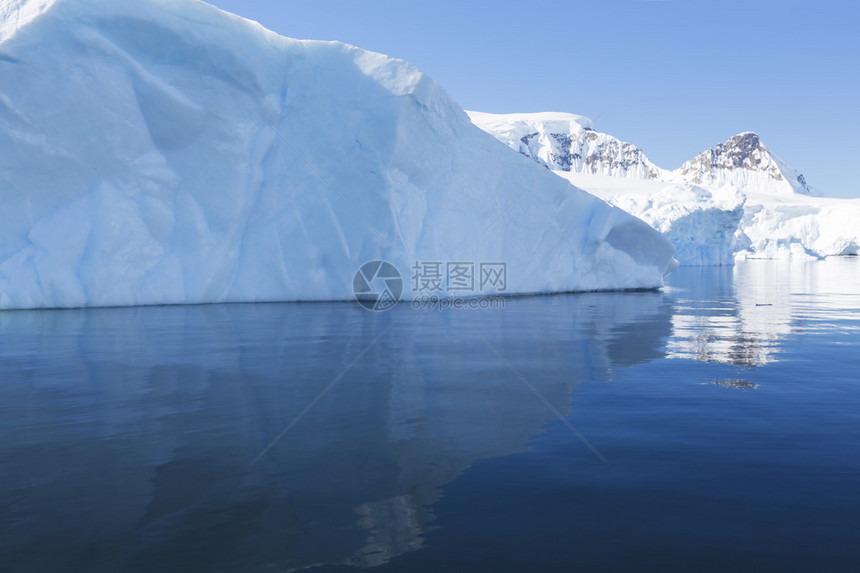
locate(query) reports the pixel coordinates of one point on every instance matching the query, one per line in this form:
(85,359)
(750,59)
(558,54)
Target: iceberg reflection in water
(132,432)
(281,436)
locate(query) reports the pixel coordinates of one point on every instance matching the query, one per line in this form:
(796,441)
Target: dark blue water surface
(714,426)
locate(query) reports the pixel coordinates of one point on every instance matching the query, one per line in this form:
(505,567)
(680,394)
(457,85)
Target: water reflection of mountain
(740,315)
(129,434)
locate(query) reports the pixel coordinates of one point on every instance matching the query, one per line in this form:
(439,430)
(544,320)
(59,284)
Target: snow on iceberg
(156,152)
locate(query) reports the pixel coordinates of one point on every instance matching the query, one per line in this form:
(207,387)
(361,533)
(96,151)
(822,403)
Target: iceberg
(167,152)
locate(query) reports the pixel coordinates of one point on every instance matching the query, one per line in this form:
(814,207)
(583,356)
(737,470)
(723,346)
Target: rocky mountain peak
(569,143)
(744,162)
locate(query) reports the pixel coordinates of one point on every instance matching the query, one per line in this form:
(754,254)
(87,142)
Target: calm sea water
(714,426)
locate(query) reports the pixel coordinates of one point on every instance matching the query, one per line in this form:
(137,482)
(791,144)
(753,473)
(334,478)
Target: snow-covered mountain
(743,163)
(735,200)
(156,151)
(567,142)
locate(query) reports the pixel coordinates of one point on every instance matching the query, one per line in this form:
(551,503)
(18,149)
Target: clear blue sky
(671,76)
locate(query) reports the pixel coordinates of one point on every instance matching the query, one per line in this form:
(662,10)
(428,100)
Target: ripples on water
(713,426)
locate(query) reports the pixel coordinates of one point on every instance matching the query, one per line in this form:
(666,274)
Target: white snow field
(737,200)
(164,151)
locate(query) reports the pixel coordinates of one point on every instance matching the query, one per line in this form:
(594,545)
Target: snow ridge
(567,142)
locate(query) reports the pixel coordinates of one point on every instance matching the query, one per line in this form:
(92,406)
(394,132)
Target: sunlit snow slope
(163,151)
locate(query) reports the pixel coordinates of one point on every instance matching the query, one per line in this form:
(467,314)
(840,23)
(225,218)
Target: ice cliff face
(567,142)
(744,163)
(156,151)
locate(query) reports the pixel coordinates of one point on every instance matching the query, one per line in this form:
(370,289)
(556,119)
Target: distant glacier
(736,200)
